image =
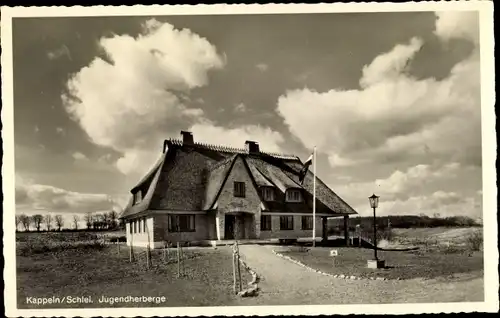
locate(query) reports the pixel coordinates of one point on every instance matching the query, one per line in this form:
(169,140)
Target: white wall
(141,238)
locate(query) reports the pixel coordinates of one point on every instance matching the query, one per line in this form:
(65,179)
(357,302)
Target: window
(181,223)
(144,224)
(286,222)
(268,193)
(134,223)
(293,195)
(307,223)
(265,223)
(139,226)
(137,197)
(239,189)
(130,227)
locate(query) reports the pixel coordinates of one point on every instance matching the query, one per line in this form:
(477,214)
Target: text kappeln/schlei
(88,300)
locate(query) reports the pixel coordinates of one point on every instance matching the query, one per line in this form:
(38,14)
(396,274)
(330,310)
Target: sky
(390,100)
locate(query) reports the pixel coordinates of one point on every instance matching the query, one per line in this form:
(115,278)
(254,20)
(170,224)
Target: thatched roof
(190,177)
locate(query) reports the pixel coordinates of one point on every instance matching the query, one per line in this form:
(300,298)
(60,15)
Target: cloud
(241,108)
(79,156)
(458,24)
(142,96)
(394,116)
(414,181)
(62,51)
(134,102)
(390,66)
(442,203)
(268,139)
(32,196)
(60,131)
(262,67)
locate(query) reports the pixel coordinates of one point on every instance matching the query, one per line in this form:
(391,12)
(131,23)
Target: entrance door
(229,223)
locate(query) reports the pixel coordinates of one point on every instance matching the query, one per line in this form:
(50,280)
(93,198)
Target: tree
(25,221)
(122,223)
(48,221)
(75,221)
(18,221)
(59,222)
(105,220)
(88,220)
(37,221)
(113,216)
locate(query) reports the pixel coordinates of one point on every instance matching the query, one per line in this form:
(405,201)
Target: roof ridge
(222,162)
(229,149)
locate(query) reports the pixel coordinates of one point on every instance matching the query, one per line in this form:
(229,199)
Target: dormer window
(239,189)
(268,193)
(137,197)
(293,195)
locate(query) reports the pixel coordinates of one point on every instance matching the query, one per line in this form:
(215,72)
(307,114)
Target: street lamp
(375,263)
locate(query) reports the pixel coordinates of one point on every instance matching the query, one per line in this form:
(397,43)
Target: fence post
(131,253)
(164,253)
(148,257)
(234,268)
(169,245)
(178,262)
(238,263)
(182,261)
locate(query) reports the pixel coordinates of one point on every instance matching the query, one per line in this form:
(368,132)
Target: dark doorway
(229,227)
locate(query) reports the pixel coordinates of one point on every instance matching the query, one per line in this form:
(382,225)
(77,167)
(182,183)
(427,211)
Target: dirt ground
(285,283)
(208,279)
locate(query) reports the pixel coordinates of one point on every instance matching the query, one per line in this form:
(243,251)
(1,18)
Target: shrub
(474,240)
(48,243)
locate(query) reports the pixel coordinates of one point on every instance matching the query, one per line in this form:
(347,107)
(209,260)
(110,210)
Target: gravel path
(285,283)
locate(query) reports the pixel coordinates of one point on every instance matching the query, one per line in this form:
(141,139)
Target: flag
(303,171)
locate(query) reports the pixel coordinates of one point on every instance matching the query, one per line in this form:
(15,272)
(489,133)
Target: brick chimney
(252,147)
(187,138)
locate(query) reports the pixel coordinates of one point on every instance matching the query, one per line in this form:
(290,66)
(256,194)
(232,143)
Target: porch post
(325,229)
(219,225)
(346,229)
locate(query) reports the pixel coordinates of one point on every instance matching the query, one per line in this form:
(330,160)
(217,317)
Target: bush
(49,243)
(474,241)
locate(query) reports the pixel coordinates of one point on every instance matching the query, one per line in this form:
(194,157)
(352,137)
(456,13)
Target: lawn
(103,271)
(402,265)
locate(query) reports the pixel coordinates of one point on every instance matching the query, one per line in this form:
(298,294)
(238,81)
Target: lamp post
(375,263)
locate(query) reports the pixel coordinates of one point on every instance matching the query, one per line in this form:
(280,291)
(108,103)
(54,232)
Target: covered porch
(235,226)
(345,237)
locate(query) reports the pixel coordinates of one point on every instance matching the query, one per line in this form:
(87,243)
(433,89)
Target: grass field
(96,270)
(443,252)
(436,236)
(403,265)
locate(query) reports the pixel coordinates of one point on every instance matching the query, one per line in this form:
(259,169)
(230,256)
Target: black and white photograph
(249,159)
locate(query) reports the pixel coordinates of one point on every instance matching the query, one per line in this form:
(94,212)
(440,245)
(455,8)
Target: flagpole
(314,198)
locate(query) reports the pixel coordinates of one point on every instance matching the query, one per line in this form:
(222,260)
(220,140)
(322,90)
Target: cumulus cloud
(62,51)
(262,67)
(40,197)
(442,203)
(389,66)
(457,24)
(241,108)
(79,156)
(142,95)
(415,191)
(393,115)
(401,184)
(268,139)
